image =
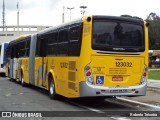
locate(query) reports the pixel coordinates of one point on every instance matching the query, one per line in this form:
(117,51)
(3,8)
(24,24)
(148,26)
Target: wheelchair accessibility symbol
(99,79)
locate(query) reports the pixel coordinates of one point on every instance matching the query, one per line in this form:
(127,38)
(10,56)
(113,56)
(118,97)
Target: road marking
(145,104)
(120,118)
(82,106)
(9,94)
(96,110)
(115,118)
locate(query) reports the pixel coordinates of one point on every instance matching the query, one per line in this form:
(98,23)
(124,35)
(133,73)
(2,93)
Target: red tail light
(144,74)
(88,73)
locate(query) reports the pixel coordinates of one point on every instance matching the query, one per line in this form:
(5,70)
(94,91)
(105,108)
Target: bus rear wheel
(52,93)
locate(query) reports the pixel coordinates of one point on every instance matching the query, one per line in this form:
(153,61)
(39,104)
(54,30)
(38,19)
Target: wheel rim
(51,88)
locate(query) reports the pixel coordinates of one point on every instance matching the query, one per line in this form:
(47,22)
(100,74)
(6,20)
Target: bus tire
(52,92)
(22,80)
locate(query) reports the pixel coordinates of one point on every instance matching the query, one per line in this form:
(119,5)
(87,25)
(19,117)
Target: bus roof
(80,20)
(121,18)
(22,37)
(61,25)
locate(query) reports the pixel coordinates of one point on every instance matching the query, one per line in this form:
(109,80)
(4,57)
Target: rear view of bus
(118,57)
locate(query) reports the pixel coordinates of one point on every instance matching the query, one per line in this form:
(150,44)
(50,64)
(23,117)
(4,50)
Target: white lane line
(145,104)
(82,106)
(96,110)
(120,118)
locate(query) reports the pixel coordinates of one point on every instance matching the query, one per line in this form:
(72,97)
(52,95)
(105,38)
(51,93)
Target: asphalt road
(14,97)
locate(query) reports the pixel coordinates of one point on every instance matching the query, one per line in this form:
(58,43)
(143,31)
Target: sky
(49,12)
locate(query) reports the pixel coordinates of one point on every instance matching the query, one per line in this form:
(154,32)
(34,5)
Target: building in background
(8,33)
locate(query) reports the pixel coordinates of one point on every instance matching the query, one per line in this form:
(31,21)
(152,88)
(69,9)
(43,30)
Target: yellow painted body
(68,72)
(65,75)
(101,64)
(23,65)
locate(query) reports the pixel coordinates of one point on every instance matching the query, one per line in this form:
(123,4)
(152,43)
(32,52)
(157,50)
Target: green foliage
(154,31)
(129,16)
(154,74)
(156,46)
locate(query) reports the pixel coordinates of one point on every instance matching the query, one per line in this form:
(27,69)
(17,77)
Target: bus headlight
(88,74)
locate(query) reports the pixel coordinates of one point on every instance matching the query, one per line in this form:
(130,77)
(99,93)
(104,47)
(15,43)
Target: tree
(154,30)
(153,17)
(129,16)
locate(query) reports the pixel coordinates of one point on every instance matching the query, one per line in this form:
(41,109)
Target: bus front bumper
(87,90)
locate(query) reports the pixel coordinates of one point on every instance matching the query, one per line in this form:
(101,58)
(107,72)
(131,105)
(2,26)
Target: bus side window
(8,52)
(52,43)
(21,47)
(18,49)
(63,42)
(15,51)
(41,48)
(38,47)
(75,40)
(12,52)
(27,49)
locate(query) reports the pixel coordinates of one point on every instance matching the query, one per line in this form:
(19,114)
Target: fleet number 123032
(123,64)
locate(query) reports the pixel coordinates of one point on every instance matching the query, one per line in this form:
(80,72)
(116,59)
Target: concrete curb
(155,84)
(153,69)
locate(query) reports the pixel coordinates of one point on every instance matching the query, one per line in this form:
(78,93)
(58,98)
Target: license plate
(117,78)
(119,91)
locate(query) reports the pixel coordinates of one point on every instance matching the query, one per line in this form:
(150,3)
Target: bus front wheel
(52,92)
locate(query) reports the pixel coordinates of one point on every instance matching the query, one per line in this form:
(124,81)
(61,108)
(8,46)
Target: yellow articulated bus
(90,57)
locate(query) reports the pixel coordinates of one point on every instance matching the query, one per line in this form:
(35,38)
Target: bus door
(38,71)
(44,61)
(40,63)
(15,62)
(11,63)
(26,60)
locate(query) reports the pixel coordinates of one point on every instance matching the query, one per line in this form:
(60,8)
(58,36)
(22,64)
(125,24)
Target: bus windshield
(118,36)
